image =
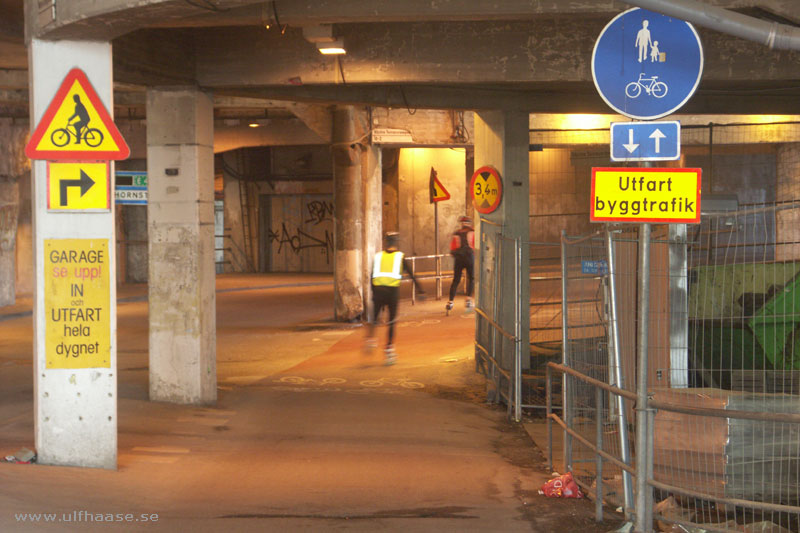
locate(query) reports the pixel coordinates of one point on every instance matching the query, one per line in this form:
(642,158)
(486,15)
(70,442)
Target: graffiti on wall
(299,240)
(319,211)
(300,233)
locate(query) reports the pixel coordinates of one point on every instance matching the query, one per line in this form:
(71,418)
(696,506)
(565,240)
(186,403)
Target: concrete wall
(788,188)
(16,260)
(560,190)
(415,212)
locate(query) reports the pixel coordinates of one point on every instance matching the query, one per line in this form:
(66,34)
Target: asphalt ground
(310,432)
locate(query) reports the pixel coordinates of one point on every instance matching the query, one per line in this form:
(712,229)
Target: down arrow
(630,146)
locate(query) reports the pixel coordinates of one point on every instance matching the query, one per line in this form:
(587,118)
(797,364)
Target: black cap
(392,239)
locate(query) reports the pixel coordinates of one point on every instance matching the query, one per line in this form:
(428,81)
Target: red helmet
(465,221)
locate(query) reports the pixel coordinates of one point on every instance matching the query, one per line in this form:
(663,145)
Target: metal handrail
(494,324)
(437,276)
(666,406)
(597,383)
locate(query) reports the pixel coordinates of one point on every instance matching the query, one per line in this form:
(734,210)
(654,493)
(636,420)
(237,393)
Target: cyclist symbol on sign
(651,85)
(91,136)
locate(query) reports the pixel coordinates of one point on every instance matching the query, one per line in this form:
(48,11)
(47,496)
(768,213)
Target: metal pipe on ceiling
(772,34)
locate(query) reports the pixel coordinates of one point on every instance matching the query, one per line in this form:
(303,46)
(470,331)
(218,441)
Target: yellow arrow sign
(79,186)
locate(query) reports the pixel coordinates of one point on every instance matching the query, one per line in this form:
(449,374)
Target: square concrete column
(501,141)
(180,169)
(74,318)
(349,217)
(14,168)
(371,168)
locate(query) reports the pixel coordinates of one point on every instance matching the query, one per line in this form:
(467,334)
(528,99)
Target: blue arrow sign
(646,65)
(646,141)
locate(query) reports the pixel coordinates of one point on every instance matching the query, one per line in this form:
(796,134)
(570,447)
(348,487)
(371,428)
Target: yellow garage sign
(76,125)
(658,195)
(83,186)
(76,303)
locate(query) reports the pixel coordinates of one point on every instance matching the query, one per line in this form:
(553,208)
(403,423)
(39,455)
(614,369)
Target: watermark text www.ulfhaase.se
(86,516)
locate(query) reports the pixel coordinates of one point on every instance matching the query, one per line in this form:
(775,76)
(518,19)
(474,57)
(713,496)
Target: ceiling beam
(535,98)
(90,19)
(545,50)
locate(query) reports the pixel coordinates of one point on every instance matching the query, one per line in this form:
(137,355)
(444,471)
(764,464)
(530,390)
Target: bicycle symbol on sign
(62,136)
(651,86)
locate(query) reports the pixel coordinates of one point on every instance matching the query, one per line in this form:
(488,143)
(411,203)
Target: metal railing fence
(722,413)
(437,274)
(499,351)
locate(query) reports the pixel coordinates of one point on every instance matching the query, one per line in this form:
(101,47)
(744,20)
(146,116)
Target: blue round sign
(646,65)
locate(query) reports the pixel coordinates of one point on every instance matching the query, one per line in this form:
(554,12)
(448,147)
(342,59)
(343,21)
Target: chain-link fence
(723,372)
(545,321)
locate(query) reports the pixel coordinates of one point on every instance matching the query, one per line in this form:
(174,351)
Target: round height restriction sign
(486,189)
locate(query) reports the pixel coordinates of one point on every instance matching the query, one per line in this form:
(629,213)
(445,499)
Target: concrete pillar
(501,141)
(24,244)
(180,170)
(373,216)
(347,199)
(75,394)
(14,167)
(9,212)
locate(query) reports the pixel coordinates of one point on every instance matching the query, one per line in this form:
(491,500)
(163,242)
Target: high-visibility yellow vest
(387,269)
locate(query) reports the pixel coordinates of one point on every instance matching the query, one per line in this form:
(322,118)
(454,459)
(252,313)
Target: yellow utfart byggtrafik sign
(658,195)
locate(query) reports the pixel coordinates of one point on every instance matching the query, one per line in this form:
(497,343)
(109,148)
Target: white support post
(75,352)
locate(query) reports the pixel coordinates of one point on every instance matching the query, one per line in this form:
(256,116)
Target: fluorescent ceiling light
(332,48)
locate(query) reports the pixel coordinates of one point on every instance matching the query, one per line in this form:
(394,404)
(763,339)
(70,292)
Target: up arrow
(85,183)
(657,135)
(631,146)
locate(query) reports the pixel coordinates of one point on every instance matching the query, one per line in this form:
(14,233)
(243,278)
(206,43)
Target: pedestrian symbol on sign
(646,65)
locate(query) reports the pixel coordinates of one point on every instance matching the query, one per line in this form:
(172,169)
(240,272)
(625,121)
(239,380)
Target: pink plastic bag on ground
(561,487)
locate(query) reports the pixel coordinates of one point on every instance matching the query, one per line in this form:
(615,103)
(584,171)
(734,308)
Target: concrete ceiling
(516,54)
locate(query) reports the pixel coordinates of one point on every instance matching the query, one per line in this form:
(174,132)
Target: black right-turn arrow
(85,183)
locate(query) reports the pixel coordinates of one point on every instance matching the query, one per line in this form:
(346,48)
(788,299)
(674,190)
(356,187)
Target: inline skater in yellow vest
(387,271)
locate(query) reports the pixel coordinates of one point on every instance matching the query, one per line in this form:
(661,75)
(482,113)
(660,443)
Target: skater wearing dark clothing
(387,271)
(462,248)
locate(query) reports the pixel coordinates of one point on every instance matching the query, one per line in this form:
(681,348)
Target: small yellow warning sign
(76,303)
(76,125)
(81,186)
(437,191)
(658,195)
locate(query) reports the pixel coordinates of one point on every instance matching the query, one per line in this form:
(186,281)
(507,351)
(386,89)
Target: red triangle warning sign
(437,191)
(76,125)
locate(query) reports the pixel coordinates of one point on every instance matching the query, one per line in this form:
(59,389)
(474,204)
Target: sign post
(645,66)
(437,194)
(72,147)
